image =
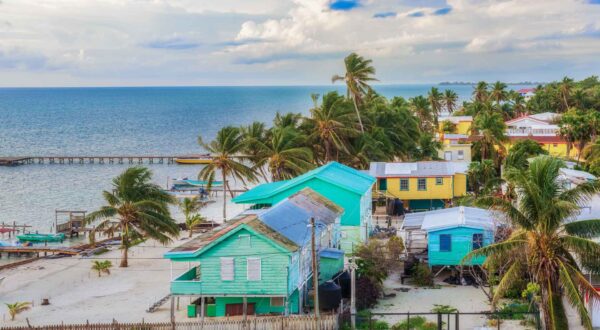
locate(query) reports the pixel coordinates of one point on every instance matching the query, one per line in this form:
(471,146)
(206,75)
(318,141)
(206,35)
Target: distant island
(534,83)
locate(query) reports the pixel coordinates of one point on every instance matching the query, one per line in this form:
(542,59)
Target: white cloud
(96,42)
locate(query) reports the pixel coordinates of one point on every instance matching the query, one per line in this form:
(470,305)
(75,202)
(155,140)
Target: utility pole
(315,272)
(353,292)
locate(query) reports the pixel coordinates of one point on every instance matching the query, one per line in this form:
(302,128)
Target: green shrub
(507,311)
(415,323)
(444,309)
(422,275)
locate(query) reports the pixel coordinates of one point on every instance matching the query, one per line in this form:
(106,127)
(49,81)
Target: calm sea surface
(112,121)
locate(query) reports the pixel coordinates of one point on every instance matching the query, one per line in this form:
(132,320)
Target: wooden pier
(38,249)
(124,159)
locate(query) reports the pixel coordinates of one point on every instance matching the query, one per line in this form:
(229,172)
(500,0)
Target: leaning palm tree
(285,154)
(449,100)
(190,207)
(102,267)
(136,208)
(359,72)
(16,308)
(192,222)
(547,246)
(227,158)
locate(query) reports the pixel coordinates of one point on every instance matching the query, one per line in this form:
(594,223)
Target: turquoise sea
(111,121)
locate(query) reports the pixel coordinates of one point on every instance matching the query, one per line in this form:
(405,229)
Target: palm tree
(547,247)
(428,147)
(190,207)
(490,127)
(421,109)
(330,127)
(285,155)
(481,176)
(136,208)
(449,99)
(359,72)
(435,102)
(480,92)
(16,308)
(101,267)
(498,92)
(192,222)
(227,158)
(564,89)
(518,104)
(289,119)
(254,134)
(363,150)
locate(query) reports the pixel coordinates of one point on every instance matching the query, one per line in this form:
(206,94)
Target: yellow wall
(466,148)
(560,150)
(460,184)
(447,190)
(462,127)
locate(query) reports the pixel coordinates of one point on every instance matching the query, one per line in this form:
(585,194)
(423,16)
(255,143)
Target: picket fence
(302,322)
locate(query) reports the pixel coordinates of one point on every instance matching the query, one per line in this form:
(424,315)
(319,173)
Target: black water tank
(330,295)
(343,280)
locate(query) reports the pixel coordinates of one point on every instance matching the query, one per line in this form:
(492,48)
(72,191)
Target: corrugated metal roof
(286,223)
(417,169)
(461,216)
(334,173)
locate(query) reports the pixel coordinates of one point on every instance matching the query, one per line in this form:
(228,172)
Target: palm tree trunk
(362,129)
(224,196)
(124,246)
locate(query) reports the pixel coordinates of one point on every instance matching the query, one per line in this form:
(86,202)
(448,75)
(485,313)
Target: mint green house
(343,185)
(260,261)
(453,233)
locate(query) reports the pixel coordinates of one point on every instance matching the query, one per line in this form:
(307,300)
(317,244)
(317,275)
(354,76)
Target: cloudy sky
(293,42)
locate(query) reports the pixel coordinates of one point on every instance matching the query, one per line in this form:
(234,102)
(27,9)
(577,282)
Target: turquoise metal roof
(335,173)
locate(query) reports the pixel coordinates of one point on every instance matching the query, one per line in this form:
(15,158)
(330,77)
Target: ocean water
(113,121)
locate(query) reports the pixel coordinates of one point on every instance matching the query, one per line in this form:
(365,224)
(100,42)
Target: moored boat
(41,237)
(194,160)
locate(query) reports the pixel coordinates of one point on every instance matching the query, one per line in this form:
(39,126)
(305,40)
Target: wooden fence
(303,322)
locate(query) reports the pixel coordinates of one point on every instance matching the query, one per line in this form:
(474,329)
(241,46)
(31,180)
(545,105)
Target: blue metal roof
(335,173)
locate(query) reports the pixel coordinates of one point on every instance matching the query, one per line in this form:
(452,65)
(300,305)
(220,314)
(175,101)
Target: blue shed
(454,232)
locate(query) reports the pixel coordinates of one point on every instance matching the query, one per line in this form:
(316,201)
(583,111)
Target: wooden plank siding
(461,245)
(244,244)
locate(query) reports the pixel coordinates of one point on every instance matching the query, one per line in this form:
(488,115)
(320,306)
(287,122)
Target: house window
(253,269)
(244,240)
(555,145)
(477,241)
(227,269)
(422,184)
(277,301)
(382,184)
(404,184)
(439,181)
(447,155)
(445,243)
(461,154)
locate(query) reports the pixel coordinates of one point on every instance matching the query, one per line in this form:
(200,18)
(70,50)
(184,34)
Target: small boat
(192,185)
(41,237)
(194,160)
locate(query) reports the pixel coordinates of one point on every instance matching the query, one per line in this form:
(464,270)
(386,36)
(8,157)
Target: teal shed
(260,261)
(453,233)
(347,187)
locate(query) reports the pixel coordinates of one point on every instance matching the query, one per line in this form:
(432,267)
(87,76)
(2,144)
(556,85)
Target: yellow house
(455,147)
(421,185)
(462,124)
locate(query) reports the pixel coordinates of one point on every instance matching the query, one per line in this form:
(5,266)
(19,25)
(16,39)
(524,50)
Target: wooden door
(238,309)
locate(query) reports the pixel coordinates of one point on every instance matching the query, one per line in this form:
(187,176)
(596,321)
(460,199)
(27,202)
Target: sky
(293,42)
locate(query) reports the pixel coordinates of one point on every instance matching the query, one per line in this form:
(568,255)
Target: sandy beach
(77,294)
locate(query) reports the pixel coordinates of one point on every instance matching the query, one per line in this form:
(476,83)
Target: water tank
(343,280)
(330,296)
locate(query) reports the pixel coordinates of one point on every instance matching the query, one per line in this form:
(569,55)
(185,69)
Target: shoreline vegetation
(361,127)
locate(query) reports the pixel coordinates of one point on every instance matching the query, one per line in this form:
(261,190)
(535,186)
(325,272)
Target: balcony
(532,132)
(187,283)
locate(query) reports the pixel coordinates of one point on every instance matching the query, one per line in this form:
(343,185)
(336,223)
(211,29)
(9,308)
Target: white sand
(77,294)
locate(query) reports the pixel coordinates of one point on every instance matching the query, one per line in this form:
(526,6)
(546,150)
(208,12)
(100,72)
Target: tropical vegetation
(137,209)
(102,267)
(16,308)
(190,208)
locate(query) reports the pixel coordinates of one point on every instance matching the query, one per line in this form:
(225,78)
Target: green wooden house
(260,261)
(343,185)
(453,233)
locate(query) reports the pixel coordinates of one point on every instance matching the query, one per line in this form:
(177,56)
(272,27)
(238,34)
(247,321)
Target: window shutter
(227,269)
(253,269)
